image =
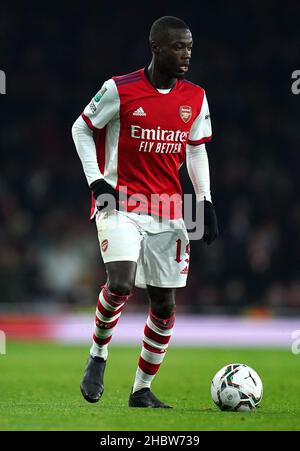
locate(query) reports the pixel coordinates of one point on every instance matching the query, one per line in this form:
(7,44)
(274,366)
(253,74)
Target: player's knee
(163,308)
(121,288)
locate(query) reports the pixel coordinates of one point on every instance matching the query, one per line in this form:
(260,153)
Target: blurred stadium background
(247,284)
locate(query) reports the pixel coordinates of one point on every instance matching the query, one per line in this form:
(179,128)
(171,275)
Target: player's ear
(154,47)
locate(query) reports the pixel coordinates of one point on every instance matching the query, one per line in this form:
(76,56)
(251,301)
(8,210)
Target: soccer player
(146,124)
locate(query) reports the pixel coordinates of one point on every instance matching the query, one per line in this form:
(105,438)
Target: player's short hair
(159,28)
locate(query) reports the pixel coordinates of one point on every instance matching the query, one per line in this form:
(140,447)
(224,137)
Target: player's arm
(102,108)
(198,169)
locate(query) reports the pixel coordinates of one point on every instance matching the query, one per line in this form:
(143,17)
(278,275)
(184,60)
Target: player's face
(175,53)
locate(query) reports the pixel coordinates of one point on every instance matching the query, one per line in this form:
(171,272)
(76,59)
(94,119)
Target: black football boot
(145,398)
(92,386)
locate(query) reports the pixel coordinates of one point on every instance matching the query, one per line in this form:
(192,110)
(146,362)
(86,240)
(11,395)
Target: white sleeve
(198,170)
(201,131)
(103,107)
(86,149)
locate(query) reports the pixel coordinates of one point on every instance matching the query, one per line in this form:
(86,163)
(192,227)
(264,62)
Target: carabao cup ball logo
(100,94)
(97,97)
(185,113)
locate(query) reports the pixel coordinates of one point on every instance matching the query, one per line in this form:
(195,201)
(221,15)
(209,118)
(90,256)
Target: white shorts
(159,246)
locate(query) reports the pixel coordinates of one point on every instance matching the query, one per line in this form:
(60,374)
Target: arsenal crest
(185,113)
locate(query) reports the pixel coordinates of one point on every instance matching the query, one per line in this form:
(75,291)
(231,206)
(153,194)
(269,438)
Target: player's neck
(158,79)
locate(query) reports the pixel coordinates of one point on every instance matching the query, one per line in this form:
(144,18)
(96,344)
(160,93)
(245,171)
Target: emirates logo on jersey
(185,112)
(104,245)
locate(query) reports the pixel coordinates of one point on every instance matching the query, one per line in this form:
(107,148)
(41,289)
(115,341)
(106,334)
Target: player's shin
(157,334)
(108,312)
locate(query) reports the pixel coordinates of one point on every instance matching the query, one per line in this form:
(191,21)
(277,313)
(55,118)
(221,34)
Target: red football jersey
(141,139)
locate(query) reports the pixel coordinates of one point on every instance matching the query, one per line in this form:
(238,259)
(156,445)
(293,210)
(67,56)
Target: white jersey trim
(201,130)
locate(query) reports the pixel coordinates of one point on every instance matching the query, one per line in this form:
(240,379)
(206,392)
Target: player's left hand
(211,230)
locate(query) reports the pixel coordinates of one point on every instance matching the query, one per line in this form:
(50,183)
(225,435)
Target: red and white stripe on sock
(108,312)
(157,334)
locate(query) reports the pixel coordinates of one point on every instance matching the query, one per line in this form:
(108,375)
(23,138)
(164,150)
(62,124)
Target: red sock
(108,312)
(157,334)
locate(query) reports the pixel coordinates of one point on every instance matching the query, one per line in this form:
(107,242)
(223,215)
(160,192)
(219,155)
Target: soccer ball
(236,387)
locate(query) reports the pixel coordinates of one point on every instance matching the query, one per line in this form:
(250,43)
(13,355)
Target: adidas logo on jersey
(139,112)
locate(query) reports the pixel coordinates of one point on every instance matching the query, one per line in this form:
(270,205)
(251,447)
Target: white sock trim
(96,351)
(142,380)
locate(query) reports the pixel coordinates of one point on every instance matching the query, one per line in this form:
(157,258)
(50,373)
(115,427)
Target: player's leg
(157,334)
(120,244)
(165,268)
(112,299)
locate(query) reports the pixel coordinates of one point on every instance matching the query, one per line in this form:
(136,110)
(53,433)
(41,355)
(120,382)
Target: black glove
(105,195)
(211,230)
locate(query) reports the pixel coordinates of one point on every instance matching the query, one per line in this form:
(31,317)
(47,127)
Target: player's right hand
(105,195)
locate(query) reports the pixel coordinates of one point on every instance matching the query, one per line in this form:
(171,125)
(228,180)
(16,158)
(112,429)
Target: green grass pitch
(40,390)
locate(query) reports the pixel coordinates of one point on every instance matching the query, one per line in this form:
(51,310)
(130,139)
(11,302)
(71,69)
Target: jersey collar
(145,78)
